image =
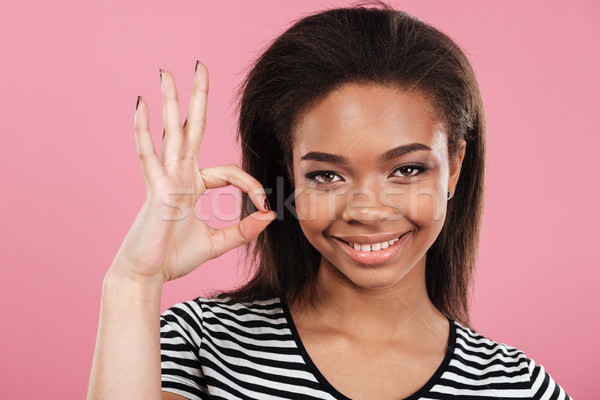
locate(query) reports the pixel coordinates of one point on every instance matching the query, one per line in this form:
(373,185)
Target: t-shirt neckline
(333,391)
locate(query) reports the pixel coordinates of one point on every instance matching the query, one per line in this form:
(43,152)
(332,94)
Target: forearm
(126,362)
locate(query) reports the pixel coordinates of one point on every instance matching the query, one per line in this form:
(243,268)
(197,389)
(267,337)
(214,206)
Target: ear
(455,164)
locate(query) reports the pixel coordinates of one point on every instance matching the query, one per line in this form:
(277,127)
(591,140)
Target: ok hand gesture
(168,238)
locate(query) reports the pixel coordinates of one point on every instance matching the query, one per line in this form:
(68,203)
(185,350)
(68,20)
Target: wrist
(144,288)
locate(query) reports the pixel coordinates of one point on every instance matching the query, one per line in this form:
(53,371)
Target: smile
(374,253)
(374,246)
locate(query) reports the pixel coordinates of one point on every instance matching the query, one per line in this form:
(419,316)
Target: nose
(372,204)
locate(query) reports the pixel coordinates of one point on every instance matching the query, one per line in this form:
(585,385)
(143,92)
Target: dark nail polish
(160,73)
(197,62)
(138,102)
(266,204)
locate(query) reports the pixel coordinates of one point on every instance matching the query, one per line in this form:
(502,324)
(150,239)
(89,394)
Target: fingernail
(138,102)
(196,69)
(160,73)
(266,204)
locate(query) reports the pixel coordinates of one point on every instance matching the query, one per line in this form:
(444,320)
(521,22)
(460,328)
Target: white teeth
(374,246)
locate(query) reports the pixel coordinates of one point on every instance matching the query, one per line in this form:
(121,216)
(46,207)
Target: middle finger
(197,111)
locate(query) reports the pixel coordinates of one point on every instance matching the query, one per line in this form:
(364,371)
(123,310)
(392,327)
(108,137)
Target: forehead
(368,117)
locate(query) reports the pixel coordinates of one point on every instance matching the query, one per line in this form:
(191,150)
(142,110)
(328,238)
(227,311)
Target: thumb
(245,231)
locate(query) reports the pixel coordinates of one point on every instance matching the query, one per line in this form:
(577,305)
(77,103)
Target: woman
(367,127)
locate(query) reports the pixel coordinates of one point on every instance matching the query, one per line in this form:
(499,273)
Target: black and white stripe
(211,349)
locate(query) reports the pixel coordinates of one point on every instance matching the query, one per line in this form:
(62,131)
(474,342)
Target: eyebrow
(388,155)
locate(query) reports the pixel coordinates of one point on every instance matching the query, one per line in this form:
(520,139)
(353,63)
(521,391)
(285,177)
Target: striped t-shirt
(214,350)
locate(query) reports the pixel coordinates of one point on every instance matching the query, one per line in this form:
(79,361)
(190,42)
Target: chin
(370,277)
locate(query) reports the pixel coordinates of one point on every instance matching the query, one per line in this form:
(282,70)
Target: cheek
(315,208)
(422,203)
(427,204)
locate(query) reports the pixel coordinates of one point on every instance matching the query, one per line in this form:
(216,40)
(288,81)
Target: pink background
(72,183)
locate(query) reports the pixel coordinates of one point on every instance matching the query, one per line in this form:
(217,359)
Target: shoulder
(204,310)
(500,365)
(475,347)
(199,305)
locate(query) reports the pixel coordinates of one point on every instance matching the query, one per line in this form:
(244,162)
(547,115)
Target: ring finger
(173,139)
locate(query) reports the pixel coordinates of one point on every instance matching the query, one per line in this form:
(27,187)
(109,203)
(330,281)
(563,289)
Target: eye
(322,177)
(411,171)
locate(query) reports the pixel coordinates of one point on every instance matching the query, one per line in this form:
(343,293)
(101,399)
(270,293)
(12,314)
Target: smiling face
(370,164)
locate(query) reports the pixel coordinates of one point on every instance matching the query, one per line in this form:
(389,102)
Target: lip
(372,257)
(370,239)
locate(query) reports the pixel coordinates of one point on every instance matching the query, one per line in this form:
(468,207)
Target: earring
(448,194)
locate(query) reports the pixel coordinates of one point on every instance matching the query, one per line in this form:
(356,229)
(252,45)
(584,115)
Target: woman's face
(370,164)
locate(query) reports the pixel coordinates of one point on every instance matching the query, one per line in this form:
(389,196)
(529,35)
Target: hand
(168,238)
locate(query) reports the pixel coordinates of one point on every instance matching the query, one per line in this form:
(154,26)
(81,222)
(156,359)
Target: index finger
(196,118)
(231,174)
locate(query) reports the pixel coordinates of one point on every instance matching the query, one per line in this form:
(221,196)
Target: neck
(401,310)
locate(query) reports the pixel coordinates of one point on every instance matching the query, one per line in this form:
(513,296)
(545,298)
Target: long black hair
(370,42)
